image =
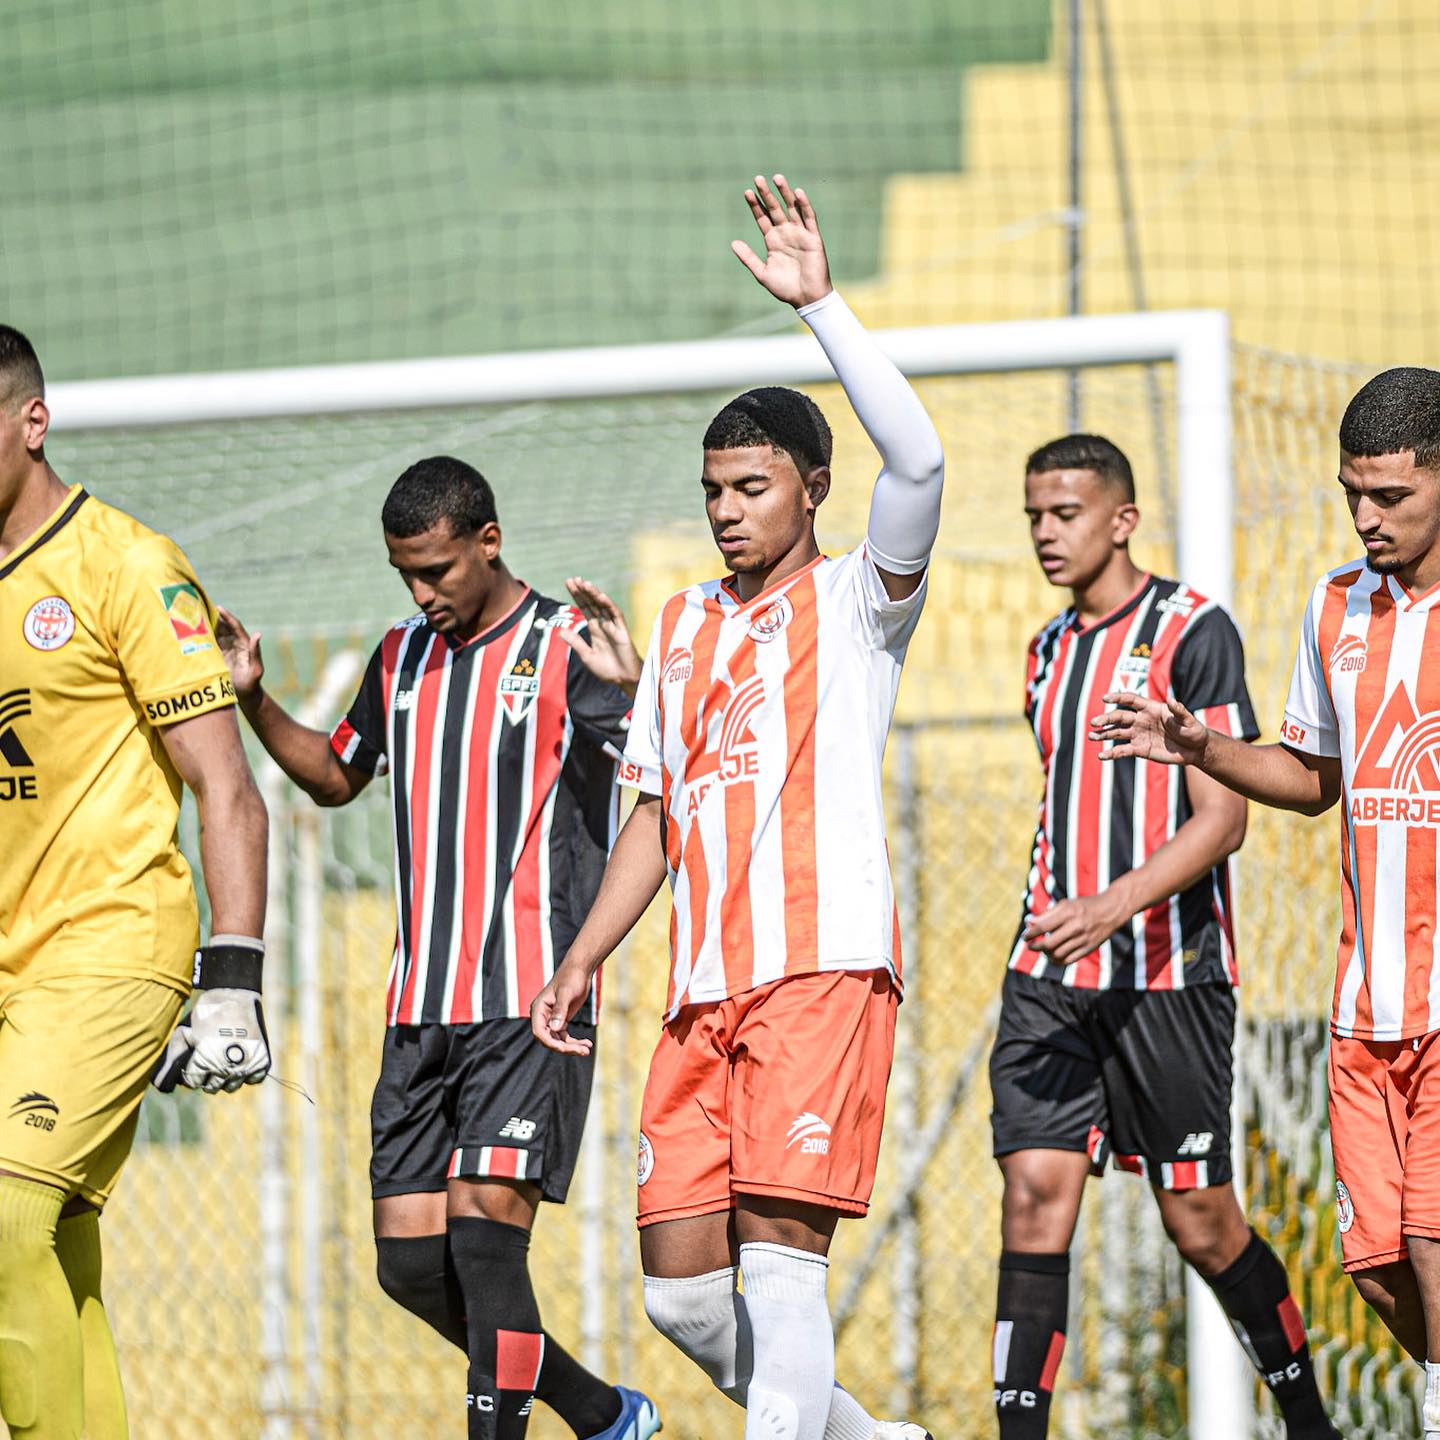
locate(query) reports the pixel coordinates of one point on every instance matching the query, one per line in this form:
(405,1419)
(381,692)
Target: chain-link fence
(239,1258)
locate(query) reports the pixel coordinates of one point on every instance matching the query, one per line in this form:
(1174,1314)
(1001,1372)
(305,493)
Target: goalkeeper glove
(222,1045)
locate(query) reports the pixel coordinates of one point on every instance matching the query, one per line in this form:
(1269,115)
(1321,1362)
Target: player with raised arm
(113,696)
(1118,1011)
(1360,727)
(499,714)
(759,730)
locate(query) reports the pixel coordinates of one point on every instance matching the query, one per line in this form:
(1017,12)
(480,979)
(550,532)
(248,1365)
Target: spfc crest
(519,686)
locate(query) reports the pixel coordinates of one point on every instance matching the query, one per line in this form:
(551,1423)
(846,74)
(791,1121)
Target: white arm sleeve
(905,506)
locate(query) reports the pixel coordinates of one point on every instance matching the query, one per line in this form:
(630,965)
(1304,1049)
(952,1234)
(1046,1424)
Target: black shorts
(477,1101)
(1145,1074)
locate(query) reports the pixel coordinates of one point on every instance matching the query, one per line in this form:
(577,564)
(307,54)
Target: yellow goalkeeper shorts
(76,1053)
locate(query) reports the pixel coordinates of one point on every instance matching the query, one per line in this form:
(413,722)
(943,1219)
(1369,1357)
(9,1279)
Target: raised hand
(605,646)
(241,650)
(1142,729)
(794,269)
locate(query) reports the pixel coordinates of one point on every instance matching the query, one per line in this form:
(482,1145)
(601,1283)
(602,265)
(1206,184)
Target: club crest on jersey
(49,623)
(188,621)
(767,623)
(519,686)
(1348,656)
(679,667)
(1133,671)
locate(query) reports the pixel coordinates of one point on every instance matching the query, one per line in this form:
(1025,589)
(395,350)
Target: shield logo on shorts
(1344,1208)
(646,1163)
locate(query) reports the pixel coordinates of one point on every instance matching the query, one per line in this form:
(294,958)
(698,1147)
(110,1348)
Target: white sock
(1431,1416)
(849,1420)
(704,1315)
(794,1371)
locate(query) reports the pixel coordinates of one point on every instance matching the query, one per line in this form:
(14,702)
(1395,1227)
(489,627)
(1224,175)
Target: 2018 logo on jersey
(1348,656)
(49,623)
(519,686)
(679,667)
(1397,767)
(767,623)
(188,621)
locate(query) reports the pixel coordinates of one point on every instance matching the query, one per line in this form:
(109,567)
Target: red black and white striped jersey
(502,754)
(1100,819)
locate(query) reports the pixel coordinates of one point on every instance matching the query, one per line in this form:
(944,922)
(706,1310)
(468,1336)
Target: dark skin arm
(1166,732)
(633,877)
(305,755)
(1215,830)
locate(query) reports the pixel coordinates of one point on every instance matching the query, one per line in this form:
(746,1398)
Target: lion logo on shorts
(1344,1208)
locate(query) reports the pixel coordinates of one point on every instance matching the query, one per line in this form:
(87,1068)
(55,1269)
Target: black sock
(502,1323)
(1255,1294)
(1030,1316)
(585,1404)
(415,1271)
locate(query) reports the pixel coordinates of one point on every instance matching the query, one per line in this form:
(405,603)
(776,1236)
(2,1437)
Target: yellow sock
(77,1242)
(41,1376)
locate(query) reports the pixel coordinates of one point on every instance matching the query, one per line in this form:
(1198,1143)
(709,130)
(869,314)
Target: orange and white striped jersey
(1366,689)
(763,727)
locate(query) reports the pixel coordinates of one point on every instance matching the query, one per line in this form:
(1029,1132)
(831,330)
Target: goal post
(257,416)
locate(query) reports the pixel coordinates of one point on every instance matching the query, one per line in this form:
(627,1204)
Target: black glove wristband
(228,967)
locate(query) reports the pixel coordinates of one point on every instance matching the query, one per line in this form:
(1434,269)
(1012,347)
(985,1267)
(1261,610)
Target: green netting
(198,186)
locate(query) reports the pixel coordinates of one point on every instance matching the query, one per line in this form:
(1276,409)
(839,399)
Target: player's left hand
(794,269)
(221,1046)
(1073,929)
(604,646)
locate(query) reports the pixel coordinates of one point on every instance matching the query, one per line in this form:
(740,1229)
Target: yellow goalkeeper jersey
(105,637)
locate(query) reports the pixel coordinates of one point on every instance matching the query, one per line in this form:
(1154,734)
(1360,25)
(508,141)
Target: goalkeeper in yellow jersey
(113,693)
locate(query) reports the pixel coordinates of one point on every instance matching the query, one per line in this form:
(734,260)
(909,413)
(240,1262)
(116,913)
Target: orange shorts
(779,1091)
(1385,1132)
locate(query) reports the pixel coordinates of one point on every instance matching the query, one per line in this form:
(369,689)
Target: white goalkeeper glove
(222,1045)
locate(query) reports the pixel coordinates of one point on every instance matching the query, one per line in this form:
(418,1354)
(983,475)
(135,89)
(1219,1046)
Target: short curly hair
(435,489)
(1398,410)
(784,419)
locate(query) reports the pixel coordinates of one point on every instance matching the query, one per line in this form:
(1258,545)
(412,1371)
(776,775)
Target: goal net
(239,1260)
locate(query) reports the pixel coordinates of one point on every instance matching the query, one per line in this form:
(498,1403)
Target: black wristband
(228,967)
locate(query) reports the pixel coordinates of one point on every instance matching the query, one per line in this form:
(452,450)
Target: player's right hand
(1137,727)
(555,1006)
(241,650)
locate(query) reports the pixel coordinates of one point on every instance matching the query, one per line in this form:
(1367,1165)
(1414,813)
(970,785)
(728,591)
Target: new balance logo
(1197,1142)
(517,1129)
(14,706)
(812,1132)
(39,1111)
